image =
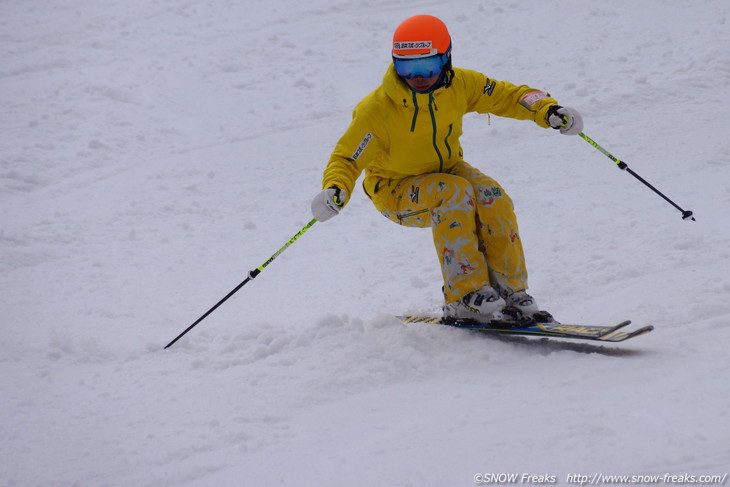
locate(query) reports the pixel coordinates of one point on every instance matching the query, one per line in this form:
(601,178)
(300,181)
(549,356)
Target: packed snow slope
(152,153)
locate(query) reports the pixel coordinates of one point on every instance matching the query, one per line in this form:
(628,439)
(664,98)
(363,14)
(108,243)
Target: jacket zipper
(431,104)
(446,140)
(415,112)
(434,141)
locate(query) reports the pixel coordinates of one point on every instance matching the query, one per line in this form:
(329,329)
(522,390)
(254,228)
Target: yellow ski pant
(473,223)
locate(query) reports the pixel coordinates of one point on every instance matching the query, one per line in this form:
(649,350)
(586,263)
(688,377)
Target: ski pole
(686,214)
(251,275)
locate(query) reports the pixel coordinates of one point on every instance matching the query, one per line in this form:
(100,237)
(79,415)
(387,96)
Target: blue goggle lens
(424,66)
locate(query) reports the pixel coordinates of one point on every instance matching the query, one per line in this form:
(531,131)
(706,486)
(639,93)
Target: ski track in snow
(153,153)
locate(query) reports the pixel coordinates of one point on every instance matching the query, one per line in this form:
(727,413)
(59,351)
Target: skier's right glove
(328,203)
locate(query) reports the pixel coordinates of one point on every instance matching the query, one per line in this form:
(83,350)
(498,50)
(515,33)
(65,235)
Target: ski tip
(620,336)
(646,329)
(640,331)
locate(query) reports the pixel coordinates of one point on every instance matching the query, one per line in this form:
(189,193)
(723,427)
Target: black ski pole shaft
(686,214)
(251,275)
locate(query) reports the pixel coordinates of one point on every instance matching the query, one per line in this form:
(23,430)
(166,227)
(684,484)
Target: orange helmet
(421,36)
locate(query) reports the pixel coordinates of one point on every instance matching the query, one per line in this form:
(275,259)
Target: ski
(553,330)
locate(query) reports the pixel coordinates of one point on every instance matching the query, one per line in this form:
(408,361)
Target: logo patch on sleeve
(531,98)
(361,148)
(489,87)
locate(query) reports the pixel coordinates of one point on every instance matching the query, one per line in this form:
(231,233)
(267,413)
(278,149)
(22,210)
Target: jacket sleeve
(505,99)
(356,149)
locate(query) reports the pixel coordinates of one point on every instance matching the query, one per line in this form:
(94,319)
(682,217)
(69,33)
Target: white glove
(568,120)
(328,203)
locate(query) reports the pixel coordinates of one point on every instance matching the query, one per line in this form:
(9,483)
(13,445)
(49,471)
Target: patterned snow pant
(473,223)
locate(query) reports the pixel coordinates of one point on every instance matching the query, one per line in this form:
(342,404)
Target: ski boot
(521,305)
(484,306)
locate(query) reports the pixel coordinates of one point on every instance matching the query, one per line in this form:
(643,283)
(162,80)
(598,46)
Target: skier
(405,136)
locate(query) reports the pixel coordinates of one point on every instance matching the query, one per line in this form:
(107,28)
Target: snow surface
(153,152)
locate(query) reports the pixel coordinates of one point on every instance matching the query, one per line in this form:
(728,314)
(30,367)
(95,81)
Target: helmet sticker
(412,45)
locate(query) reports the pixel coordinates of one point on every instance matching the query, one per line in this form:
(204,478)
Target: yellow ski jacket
(397,132)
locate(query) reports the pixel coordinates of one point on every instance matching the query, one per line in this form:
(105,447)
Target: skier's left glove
(328,203)
(567,120)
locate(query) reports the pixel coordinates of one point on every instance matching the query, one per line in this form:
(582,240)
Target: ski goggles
(423,66)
